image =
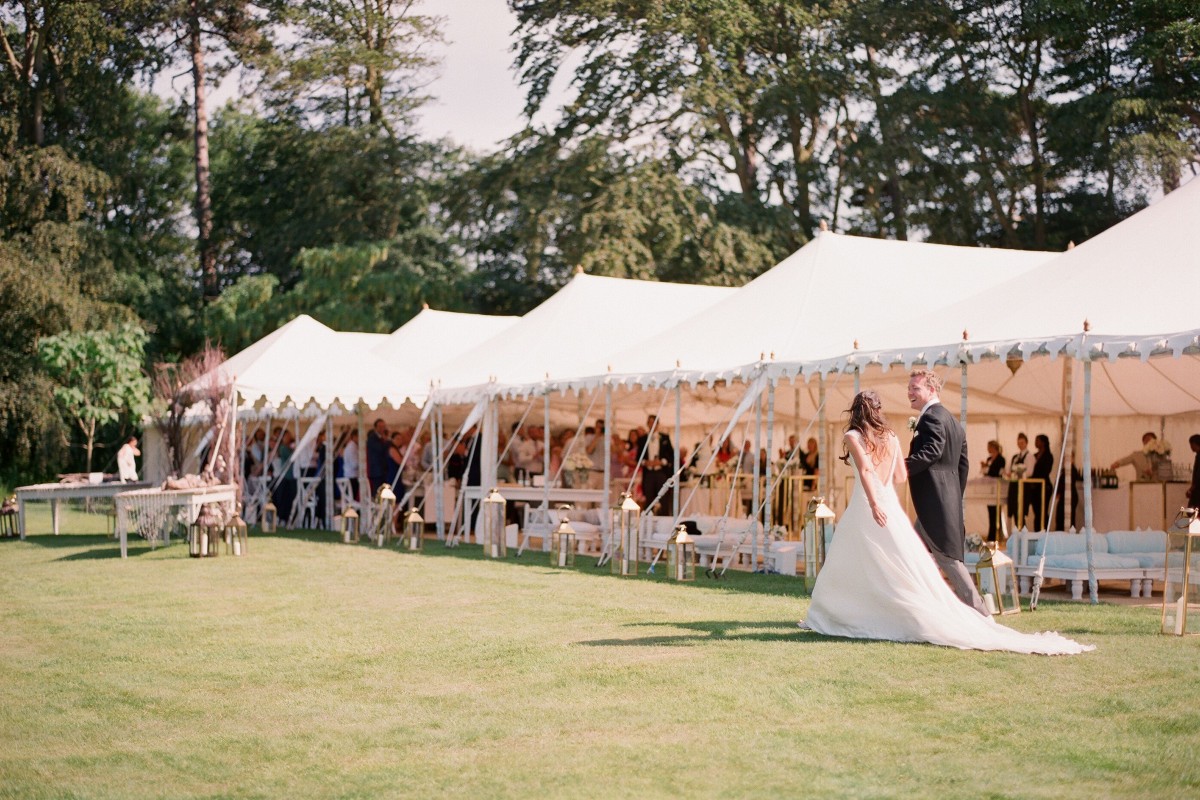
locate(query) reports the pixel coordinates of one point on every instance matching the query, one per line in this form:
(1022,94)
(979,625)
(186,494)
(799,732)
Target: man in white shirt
(126,465)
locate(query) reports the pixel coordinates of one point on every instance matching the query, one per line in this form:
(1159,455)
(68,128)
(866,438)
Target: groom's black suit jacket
(937,474)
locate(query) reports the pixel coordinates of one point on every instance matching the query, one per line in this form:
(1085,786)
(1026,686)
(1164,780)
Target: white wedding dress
(882,583)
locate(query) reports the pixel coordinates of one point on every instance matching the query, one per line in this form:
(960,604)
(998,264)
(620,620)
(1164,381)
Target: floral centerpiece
(577,466)
(977,543)
(1158,451)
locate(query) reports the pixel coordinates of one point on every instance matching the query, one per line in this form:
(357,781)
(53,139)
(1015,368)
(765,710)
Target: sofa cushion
(1079,561)
(1058,544)
(1137,542)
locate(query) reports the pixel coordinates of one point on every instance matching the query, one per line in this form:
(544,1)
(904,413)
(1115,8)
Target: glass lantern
(1180,614)
(562,544)
(414,530)
(818,527)
(270,518)
(237,538)
(214,534)
(996,579)
(197,536)
(350,526)
(681,555)
(385,498)
(494,544)
(626,522)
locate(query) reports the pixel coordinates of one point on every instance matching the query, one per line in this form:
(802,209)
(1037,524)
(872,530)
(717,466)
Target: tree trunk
(891,186)
(208,260)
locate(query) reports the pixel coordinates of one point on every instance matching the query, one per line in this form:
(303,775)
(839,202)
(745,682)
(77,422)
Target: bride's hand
(880,517)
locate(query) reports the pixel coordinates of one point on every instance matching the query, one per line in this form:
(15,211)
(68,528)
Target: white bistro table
(155,506)
(57,492)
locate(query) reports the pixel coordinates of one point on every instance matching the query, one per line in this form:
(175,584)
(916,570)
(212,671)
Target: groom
(937,474)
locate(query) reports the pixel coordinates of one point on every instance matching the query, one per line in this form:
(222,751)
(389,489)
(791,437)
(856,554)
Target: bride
(879,581)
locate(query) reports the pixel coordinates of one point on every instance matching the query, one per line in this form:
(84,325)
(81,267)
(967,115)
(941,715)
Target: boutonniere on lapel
(912,424)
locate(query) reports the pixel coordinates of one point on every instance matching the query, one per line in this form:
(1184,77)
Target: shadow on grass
(709,631)
(98,545)
(732,581)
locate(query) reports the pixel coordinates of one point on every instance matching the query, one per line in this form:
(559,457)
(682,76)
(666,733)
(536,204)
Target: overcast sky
(477,101)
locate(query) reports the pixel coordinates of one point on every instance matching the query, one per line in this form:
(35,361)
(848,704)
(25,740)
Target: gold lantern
(350,526)
(1180,573)
(494,544)
(818,527)
(626,522)
(237,539)
(681,555)
(562,543)
(996,578)
(270,518)
(197,537)
(385,498)
(215,533)
(414,530)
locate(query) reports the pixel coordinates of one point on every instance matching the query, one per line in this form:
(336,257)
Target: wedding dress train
(880,582)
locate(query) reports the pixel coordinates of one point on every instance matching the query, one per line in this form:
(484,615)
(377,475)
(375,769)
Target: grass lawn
(316,669)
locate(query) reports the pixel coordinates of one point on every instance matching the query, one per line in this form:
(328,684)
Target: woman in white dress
(879,581)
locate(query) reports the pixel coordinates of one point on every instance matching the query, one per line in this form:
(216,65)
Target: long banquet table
(58,492)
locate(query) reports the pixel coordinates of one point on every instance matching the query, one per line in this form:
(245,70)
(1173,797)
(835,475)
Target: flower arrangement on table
(1159,448)
(978,544)
(578,465)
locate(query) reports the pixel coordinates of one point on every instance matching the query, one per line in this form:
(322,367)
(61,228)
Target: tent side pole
(1093,591)
(329,472)
(770,494)
(962,410)
(823,473)
(605,517)
(675,464)
(546,464)
(757,473)
(439,474)
(364,487)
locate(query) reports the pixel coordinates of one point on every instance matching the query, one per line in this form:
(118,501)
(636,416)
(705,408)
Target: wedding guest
(793,445)
(810,463)
(1043,468)
(725,453)
(993,467)
(657,455)
(1017,467)
(377,456)
(256,454)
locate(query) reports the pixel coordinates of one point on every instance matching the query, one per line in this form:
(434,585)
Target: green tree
(99,377)
(354,62)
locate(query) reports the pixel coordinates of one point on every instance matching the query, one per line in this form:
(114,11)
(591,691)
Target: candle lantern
(1180,614)
(494,544)
(562,543)
(818,527)
(197,546)
(350,524)
(385,498)
(681,555)
(237,540)
(215,535)
(626,522)
(270,518)
(414,530)
(997,581)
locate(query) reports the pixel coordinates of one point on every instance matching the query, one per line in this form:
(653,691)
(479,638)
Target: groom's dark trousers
(937,474)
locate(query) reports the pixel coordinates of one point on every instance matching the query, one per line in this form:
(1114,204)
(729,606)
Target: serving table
(58,492)
(150,512)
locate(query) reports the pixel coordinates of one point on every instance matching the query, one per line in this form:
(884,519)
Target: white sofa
(1135,556)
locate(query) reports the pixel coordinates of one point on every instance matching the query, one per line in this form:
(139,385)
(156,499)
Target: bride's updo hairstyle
(866,417)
